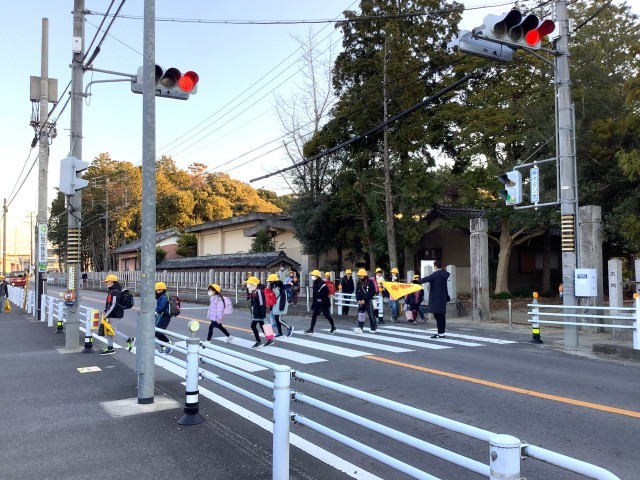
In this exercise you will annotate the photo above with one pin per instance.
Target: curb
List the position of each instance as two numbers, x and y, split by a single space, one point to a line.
617 351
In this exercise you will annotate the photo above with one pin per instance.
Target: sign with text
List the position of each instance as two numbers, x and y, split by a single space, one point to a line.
534 183
42 247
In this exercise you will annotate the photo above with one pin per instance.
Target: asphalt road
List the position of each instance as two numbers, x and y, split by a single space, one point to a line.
581 407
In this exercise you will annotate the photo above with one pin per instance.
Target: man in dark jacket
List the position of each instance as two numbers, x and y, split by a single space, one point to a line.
365 291
438 296
347 287
320 302
113 311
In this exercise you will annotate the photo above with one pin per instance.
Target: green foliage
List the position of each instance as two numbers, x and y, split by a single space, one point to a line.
262 242
160 254
501 296
187 245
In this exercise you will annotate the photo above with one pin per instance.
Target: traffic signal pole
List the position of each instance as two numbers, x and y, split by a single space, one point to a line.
74 202
567 170
146 318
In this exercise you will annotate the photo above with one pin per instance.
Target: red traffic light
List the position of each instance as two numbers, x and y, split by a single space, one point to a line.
533 37
188 81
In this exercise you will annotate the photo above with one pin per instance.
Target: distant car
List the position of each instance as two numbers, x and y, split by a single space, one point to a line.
18 278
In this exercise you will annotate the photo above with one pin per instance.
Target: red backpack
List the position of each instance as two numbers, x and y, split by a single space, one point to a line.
270 297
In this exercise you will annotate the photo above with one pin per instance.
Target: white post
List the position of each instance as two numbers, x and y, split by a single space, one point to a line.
191 403
504 455
281 421
636 323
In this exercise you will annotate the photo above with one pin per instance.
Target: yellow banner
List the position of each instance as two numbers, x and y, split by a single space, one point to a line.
108 329
397 290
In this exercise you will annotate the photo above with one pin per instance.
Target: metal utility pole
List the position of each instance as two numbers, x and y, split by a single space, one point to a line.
74 202
146 323
43 164
567 169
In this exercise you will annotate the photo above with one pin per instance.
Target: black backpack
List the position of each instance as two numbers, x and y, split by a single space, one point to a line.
174 306
126 299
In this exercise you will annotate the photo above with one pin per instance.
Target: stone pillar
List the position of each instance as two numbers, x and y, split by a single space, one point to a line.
590 238
615 296
479 256
637 265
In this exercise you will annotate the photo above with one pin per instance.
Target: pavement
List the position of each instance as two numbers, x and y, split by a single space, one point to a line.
61 424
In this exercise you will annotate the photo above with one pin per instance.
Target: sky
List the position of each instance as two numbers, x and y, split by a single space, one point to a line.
230 125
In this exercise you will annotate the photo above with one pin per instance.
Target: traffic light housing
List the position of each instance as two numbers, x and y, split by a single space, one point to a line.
170 83
515 30
512 193
70 167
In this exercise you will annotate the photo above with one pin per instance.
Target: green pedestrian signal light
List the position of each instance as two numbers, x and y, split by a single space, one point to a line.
512 193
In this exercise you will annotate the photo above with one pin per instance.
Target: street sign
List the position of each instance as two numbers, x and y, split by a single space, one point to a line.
534 184
42 248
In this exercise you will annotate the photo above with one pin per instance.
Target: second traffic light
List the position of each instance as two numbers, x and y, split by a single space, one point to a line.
512 193
515 30
170 83
70 167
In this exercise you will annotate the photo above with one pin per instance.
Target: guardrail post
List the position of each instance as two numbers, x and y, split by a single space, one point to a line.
88 333
281 421
380 318
535 326
60 321
191 405
504 455
636 323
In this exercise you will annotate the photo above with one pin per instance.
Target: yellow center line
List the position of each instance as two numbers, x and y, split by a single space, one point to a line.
509 388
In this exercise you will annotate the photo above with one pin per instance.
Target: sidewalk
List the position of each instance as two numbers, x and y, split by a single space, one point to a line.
59 424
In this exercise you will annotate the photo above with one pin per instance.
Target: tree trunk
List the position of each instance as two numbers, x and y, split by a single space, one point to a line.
409 259
502 274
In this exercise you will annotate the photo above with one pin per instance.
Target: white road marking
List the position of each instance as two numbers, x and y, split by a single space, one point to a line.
416 334
457 335
325 347
276 352
231 360
383 338
362 343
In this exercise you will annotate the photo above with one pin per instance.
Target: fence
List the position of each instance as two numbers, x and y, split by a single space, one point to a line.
505 451
540 313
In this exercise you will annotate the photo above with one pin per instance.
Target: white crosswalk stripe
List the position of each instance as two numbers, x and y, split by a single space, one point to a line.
385 338
431 331
231 360
422 333
362 343
325 347
276 351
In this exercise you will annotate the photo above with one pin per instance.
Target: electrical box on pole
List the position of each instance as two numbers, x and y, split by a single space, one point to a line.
70 167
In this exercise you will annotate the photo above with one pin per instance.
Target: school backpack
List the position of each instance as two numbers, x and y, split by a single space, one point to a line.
228 306
174 306
270 297
126 299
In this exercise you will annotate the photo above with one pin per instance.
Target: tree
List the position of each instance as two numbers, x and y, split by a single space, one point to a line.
160 254
262 242
187 245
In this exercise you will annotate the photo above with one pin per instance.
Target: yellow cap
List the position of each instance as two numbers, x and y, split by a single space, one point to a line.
253 281
110 278
273 278
327 274
395 270
379 270
416 277
1 277
348 270
362 272
161 286
215 286
316 273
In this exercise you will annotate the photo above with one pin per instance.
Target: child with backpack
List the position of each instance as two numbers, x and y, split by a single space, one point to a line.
258 309
218 308
163 316
280 305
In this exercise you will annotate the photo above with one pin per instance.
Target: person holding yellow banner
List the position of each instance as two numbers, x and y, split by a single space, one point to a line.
4 296
112 311
438 296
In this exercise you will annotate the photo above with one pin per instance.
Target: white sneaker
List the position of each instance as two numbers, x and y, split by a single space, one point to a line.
229 339
357 330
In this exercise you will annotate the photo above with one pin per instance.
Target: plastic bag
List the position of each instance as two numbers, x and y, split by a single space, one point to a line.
7 306
268 331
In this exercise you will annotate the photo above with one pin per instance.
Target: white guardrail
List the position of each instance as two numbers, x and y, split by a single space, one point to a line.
613 315
505 451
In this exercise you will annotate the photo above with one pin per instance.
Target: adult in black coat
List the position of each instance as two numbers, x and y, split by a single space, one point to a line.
320 302
347 287
438 296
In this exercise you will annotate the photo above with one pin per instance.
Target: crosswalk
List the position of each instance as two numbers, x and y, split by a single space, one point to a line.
347 343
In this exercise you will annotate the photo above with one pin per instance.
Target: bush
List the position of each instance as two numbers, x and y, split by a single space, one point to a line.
501 296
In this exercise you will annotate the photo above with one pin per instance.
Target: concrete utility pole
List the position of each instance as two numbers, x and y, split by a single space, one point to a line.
4 237
388 196
74 202
43 161
567 166
146 320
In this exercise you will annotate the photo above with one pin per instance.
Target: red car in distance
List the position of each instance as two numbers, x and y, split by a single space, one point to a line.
18 278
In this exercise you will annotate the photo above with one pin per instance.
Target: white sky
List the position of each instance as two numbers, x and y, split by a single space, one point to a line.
240 67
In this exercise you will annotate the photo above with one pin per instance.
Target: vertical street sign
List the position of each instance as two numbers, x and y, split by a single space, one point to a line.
42 247
534 183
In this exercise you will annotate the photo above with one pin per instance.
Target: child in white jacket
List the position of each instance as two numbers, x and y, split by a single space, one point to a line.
216 311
